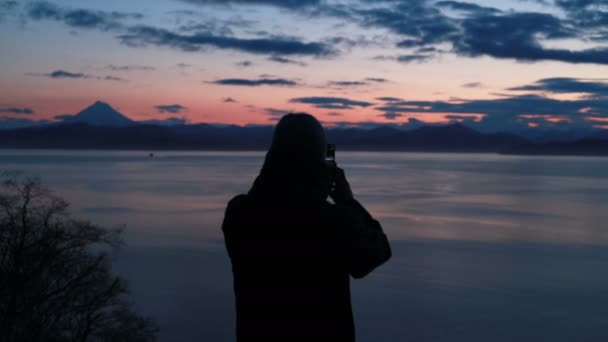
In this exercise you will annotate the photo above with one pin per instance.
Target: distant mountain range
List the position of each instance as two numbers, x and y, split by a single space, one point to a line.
102 127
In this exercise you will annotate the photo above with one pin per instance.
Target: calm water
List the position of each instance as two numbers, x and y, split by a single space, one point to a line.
486 247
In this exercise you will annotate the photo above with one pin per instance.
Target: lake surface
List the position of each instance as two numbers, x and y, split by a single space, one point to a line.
486 247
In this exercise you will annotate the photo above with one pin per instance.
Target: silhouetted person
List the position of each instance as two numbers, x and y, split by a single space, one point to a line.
292 251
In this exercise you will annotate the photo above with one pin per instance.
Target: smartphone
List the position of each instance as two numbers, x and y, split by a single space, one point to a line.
330 159
330 154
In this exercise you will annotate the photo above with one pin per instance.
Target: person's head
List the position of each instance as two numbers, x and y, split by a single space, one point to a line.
295 164
299 138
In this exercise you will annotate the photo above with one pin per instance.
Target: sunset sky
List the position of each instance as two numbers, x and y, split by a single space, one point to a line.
494 64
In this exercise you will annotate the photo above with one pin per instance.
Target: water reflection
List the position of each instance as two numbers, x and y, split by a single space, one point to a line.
177 198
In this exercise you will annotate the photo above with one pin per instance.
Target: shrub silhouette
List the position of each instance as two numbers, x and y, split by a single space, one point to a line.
55 272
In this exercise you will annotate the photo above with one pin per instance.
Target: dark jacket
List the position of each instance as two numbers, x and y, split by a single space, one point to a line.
291 266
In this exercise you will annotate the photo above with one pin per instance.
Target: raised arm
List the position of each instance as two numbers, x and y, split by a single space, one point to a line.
233 235
366 245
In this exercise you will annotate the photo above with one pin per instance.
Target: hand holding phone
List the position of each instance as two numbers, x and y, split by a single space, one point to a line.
330 153
339 189
330 160
341 192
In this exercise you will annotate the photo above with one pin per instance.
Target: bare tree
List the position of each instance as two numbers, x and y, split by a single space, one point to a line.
55 272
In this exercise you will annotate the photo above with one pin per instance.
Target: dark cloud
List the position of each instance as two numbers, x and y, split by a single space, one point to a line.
174 108
15 110
211 24
416 19
510 112
114 78
284 60
185 13
390 115
484 31
472 85
331 102
461 118
467 7
59 74
376 79
405 58
289 4
183 65
566 85
8 5
332 106
256 83
516 36
426 50
347 83
66 74
276 112
413 58
130 68
230 100
481 31
409 43
348 43
244 64
146 35
578 5
587 15
7 8
389 99
78 18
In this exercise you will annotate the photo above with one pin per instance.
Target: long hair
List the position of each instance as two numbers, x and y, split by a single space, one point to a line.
294 170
